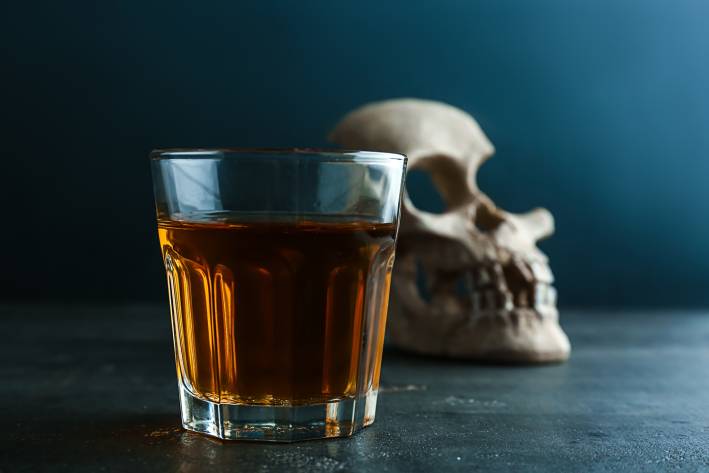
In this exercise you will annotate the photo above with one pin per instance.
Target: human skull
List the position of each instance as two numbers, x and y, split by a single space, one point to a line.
470 282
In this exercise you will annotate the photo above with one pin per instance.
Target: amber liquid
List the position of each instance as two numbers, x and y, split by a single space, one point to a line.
278 312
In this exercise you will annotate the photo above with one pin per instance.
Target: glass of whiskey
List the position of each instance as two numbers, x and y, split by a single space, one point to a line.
278 267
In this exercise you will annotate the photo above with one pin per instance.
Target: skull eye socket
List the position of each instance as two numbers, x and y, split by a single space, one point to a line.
423 192
437 184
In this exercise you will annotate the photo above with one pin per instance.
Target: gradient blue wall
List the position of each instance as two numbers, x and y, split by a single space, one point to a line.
599 111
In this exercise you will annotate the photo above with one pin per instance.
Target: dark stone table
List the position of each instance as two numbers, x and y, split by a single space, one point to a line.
93 389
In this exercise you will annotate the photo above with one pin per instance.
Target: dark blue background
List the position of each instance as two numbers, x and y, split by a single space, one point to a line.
599 111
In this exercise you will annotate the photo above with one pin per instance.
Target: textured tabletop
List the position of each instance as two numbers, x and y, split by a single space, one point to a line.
93 389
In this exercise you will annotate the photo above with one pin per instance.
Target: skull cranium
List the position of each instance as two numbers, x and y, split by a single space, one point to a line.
469 282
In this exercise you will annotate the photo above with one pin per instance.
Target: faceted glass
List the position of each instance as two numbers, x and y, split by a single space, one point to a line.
278 268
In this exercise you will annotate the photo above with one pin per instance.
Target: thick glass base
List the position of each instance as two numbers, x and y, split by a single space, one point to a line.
277 423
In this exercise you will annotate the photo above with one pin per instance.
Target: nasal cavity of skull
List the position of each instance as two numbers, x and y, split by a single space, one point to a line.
487 219
423 282
464 285
436 185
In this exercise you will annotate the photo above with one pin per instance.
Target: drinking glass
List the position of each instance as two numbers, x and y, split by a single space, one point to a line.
278 270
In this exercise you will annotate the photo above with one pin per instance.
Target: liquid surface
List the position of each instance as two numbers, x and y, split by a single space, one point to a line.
278 313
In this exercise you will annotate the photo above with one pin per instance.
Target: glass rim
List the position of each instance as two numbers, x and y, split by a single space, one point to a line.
334 154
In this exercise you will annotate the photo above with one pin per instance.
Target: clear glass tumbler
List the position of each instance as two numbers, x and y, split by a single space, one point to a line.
278 271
